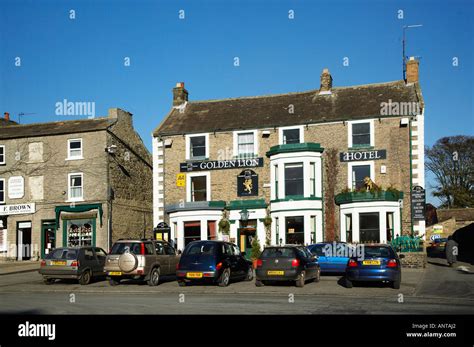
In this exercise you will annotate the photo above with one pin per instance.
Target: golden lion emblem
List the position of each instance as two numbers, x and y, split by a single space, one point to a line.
248 185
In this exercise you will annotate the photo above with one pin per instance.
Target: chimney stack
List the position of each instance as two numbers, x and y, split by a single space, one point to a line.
412 70
326 82
180 95
7 116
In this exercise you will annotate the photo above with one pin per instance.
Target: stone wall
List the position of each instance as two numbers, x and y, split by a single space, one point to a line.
388 135
414 260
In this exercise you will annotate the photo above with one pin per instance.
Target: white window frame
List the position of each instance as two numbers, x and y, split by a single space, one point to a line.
349 131
4 193
3 162
188 144
359 163
299 127
188 184
236 142
69 157
71 199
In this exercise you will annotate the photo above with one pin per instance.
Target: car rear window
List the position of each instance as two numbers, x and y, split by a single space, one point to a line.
121 247
201 249
318 250
278 253
378 252
63 253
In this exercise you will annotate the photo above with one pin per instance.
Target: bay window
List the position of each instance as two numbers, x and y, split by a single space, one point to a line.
294 179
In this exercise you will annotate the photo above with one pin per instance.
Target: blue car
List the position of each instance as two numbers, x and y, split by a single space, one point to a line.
332 256
379 263
212 261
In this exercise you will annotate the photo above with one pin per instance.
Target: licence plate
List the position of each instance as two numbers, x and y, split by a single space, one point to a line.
194 275
275 273
115 273
371 262
59 263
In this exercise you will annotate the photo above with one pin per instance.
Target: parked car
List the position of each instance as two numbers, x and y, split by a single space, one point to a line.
287 263
379 263
213 261
331 260
81 263
437 247
143 260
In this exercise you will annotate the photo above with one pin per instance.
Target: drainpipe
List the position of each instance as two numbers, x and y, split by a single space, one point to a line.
411 175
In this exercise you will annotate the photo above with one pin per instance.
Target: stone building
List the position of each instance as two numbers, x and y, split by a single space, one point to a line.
335 163
69 183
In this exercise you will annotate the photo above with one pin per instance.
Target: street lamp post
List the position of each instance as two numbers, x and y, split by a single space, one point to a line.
244 216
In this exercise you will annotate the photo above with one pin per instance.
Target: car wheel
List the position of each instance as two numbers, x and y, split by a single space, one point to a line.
259 283
154 277
85 277
301 279
114 281
224 278
396 284
249 276
347 283
182 283
48 280
318 275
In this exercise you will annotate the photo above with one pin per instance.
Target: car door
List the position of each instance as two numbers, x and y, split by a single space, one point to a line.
101 256
242 265
89 259
162 258
310 260
173 258
228 256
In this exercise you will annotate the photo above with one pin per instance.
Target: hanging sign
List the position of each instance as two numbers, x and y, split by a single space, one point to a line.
247 183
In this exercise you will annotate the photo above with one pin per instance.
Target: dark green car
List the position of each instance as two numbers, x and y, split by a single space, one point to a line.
81 263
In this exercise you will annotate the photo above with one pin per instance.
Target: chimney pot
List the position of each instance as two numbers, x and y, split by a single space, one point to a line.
7 116
326 82
412 73
180 94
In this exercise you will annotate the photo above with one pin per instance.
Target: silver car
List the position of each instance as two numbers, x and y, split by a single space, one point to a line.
143 260
81 263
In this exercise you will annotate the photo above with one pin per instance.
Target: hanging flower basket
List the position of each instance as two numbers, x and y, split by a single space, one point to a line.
224 226
267 221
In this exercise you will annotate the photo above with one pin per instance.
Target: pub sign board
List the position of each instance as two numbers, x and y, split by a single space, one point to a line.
247 183
363 155
220 164
418 203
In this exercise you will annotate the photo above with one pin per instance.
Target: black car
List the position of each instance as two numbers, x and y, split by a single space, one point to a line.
214 261
287 263
81 263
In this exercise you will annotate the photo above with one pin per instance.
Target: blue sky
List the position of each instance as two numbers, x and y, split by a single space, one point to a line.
82 59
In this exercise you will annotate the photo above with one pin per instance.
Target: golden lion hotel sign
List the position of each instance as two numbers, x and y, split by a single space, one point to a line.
6 210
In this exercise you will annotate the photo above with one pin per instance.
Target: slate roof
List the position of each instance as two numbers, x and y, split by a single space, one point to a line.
345 103
55 128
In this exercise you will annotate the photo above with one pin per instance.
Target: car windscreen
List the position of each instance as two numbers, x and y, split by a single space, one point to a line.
318 250
201 249
63 253
377 252
121 247
278 253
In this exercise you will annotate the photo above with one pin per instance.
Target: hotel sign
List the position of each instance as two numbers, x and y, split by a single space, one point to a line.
6 210
363 155
220 164
418 201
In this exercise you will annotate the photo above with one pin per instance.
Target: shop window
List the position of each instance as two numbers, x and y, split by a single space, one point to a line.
192 232
276 181
2 155
197 148
2 190
313 229
291 136
79 232
361 134
294 179
199 188
3 234
295 230
277 230
369 227
348 228
245 144
76 187
390 230
211 230
312 179
358 174
74 149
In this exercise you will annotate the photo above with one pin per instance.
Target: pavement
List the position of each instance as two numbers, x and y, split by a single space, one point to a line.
438 289
12 267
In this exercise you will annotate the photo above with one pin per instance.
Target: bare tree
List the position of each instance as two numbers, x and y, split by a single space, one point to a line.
451 160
